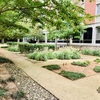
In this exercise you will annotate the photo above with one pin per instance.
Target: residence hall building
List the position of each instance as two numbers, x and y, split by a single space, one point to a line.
92 36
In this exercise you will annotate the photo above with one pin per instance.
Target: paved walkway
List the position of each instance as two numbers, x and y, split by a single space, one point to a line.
64 89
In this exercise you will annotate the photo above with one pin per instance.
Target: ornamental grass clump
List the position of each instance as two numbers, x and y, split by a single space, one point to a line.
72 75
52 67
13 48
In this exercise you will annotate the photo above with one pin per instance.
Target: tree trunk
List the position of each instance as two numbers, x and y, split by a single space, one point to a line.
56 44
18 40
2 41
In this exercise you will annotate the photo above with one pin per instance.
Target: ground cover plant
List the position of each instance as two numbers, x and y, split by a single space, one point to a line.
97 69
82 64
97 60
52 67
72 75
5 60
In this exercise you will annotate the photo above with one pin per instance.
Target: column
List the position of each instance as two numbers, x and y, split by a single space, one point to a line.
94 36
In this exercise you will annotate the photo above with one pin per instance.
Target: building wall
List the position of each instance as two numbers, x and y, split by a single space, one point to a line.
90 7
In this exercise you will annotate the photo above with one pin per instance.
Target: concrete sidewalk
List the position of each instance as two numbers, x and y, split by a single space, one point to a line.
64 89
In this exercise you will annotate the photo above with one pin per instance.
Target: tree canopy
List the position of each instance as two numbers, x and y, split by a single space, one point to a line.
51 14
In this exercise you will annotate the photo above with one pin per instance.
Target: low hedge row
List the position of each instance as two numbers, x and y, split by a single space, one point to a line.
12 43
29 48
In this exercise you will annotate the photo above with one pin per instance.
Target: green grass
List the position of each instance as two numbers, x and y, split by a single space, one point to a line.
97 69
52 67
5 60
72 75
82 64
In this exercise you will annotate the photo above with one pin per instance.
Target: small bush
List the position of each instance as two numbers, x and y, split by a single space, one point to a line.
13 48
50 55
87 52
3 81
11 79
97 69
82 64
98 90
5 60
97 60
72 75
52 67
96 53
75 55
41 56
18 95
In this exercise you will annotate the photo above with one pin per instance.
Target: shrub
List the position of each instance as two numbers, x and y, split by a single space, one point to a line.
29 48
63 55
18 95
96 53
97 60
75 55
52 67
72 75
82 64
11 79
41 56
50 55
13 48
98 90
97 69
3 81
87 52
5 60
32 55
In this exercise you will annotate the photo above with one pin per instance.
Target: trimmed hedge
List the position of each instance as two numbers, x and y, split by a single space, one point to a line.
12 43
29 48
72 75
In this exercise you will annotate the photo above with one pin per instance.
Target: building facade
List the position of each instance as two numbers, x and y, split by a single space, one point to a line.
92 35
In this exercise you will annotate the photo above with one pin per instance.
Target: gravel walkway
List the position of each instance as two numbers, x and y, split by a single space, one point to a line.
64 89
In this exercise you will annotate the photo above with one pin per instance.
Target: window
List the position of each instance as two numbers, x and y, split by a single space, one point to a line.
82 0
98 30
98 9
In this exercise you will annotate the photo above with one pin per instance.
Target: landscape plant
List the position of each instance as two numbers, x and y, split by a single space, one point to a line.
97 60
82 64
5 60
13 48
72 75
52 67
97 69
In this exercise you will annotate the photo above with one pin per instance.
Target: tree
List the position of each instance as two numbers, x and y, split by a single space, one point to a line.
50 13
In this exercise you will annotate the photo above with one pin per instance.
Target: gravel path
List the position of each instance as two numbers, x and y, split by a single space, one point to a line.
64 89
